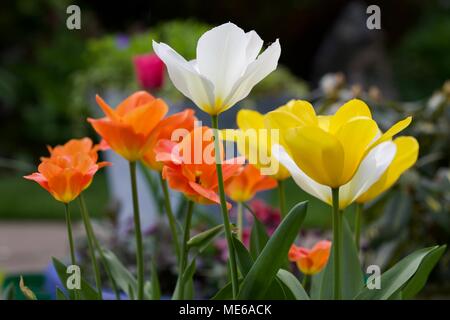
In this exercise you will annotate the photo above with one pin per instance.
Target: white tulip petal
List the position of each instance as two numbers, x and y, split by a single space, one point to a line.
222 57
256 71
301 179
254 46
370 170
185 76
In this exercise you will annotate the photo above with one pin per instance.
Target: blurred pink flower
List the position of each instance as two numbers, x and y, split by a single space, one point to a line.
149 70
270 217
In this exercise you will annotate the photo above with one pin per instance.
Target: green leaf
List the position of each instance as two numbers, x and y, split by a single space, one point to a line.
285 286
352 276
156 290
87 292
205 237
292 283
258 238
188 275
60 294
316 285
272 257
226 293
277 291
244 259
9 292
123 278
398 276
420 278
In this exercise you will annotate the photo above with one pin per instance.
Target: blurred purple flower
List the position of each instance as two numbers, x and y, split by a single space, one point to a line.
122 41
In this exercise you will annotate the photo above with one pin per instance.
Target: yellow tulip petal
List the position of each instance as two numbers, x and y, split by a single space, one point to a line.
279 119
302 110
355 136
324 122
352 109
319 154
405 157
250 119
396 128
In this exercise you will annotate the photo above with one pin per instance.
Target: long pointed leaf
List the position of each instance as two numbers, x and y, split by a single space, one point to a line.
419 279
87 292
292 283
272 257
396 277
123 278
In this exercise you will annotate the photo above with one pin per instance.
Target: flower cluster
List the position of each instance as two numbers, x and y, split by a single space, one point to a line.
339 158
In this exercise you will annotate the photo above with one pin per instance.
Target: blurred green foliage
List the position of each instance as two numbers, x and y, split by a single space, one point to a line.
23 199
421 60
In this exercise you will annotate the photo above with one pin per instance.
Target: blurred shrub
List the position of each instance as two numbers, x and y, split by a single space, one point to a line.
421 61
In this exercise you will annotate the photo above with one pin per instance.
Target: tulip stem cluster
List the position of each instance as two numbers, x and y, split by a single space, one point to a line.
184 250
91 244
337 243
96 245
358 214
223 205
170 217
138 232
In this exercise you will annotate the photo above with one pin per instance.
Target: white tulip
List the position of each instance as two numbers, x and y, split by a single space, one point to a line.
370 170
226 69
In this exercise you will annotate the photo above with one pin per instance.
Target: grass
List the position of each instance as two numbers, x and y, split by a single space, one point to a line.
21 199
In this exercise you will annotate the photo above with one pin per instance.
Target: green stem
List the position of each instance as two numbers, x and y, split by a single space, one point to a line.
138 233
73 260
305 282
98 248
337 232
91 244
170 217
240 220
184 250
223 205
70 236
358 214
281 198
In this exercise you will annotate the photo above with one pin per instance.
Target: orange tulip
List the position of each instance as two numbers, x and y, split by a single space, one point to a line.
74 146
310 261
163 130
69 170
244 186
189 165
127 128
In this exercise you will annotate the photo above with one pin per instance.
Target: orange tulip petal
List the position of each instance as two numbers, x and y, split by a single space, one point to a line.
135 100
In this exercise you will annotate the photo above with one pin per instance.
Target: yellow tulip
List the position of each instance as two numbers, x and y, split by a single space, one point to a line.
254 140
345 150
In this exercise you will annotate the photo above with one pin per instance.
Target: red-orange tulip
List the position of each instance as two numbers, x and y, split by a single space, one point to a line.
69 170
189 165
244 186
310 261
127 128
181 120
